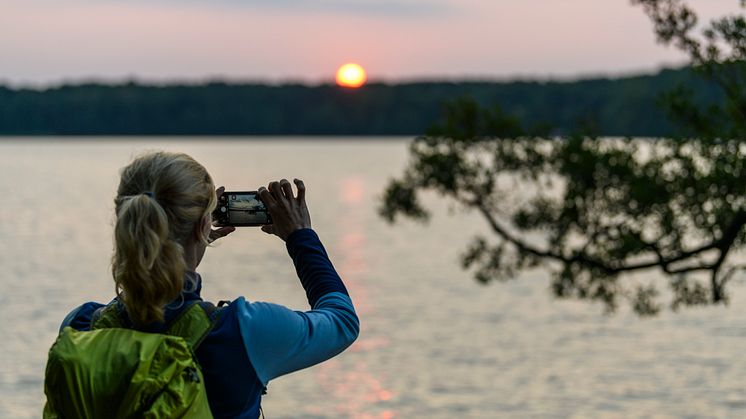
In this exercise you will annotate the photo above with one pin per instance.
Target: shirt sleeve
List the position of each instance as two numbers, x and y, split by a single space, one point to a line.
315 271
279 340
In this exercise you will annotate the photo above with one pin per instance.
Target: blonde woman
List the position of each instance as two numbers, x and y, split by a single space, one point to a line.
163 206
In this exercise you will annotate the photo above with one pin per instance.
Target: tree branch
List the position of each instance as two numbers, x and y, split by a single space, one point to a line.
723 244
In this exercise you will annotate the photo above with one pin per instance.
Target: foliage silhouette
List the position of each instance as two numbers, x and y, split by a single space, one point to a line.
605 209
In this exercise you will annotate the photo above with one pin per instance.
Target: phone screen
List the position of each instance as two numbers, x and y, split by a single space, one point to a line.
241 209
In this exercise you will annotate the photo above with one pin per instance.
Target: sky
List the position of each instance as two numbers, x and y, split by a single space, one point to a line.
45 42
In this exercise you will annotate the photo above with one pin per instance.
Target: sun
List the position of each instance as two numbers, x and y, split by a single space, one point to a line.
351 75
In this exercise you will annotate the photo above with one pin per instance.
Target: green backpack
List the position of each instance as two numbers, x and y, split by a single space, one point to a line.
115 372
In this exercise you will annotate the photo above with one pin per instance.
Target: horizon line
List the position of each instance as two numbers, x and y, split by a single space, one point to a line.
289 81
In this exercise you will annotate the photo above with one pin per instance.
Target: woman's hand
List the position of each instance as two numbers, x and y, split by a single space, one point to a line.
217 233
289 213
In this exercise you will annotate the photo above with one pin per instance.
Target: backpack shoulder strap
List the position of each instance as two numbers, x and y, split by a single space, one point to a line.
194 323
106 316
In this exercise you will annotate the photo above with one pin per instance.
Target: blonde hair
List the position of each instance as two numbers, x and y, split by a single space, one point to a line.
161 200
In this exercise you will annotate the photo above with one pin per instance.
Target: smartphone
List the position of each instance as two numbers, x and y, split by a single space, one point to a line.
240 209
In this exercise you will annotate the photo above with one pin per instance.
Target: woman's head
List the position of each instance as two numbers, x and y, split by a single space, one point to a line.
162 205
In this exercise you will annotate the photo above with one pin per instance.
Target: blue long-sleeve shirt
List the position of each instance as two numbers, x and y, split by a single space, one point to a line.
253 343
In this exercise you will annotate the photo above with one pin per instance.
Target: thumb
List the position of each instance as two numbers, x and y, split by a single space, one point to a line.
269 229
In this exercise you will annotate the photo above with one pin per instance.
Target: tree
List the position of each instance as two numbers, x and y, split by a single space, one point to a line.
605 210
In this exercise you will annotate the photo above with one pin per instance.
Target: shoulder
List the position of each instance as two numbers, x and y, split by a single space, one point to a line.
80 317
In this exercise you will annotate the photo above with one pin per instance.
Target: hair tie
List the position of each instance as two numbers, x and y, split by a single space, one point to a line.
150 194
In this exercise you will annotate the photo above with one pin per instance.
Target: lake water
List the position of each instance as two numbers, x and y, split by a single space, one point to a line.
434 343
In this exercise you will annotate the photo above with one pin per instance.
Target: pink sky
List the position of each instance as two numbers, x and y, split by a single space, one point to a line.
47 41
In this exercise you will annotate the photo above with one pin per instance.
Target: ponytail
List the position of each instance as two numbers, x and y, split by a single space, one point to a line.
152 228
147 263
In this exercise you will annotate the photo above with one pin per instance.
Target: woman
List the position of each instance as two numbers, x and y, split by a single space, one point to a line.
164 205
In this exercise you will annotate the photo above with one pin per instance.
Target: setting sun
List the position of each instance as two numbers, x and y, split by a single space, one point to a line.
351 75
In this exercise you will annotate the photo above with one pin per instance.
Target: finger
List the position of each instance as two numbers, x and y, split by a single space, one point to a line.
266 197
219 191
301 189
224 231
269 229
276 190
221 232
287 188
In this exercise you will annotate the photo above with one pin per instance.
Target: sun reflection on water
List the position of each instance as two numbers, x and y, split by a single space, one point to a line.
358 391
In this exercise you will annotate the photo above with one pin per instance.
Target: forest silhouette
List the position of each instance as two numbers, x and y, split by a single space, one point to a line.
624 106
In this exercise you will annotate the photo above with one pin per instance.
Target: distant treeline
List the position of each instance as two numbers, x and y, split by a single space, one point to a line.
625 106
